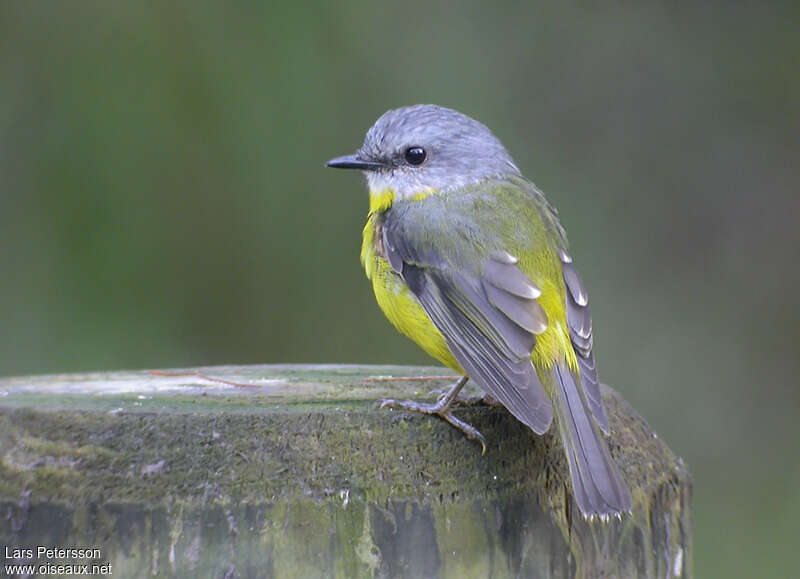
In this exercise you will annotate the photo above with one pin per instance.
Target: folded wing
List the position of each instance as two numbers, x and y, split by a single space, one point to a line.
489 318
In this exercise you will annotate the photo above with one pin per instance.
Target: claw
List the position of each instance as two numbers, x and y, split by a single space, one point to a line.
469 431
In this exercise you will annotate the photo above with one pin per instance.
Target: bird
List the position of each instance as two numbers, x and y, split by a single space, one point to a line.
469 260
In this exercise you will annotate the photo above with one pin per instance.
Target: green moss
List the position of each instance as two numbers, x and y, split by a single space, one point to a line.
313 466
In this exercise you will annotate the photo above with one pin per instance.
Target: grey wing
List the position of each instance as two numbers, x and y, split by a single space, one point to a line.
489 321
579 322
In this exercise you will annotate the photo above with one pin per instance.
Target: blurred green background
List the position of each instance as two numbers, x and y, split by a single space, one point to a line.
163 200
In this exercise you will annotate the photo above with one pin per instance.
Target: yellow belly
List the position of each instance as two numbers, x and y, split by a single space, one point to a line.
402 309
400 306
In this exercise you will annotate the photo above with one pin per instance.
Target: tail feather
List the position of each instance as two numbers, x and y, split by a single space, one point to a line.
597 483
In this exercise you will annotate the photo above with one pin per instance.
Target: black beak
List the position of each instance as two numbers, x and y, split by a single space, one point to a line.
354 162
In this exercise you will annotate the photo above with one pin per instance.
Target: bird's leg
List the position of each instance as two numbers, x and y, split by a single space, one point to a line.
471 400
441 408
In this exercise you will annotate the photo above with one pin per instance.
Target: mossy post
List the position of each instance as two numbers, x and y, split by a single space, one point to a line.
302 475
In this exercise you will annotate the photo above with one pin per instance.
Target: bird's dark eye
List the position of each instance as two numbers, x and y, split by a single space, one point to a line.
415 155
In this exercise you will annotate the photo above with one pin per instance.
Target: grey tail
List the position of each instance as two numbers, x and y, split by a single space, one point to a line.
596 481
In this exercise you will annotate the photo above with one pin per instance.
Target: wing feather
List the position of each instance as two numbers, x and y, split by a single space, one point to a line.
526 313
579 323
493 344
508 277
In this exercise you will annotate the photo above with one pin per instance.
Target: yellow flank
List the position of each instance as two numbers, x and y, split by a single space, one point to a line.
403 310
543 267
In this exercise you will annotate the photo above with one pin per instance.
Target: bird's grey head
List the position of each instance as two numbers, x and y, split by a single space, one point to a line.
425 147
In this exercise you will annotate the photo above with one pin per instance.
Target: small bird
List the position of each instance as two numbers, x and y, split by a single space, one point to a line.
468 259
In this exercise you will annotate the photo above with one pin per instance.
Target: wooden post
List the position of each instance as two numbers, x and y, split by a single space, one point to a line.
302 475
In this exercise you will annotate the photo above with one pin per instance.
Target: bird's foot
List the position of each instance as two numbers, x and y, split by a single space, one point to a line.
441 408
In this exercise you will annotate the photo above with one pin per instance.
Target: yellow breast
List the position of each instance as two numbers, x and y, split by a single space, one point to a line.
399 305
